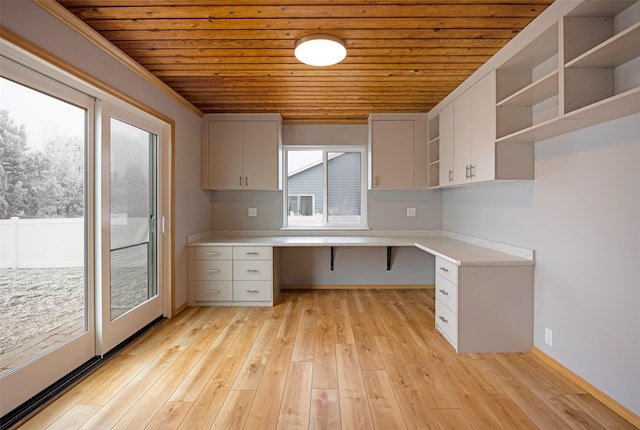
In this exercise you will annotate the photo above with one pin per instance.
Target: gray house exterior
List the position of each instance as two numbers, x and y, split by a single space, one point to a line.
305 187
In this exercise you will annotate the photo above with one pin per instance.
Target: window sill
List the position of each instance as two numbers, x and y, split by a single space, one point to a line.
323 228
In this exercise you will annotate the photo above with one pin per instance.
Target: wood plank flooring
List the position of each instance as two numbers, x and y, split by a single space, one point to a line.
321 359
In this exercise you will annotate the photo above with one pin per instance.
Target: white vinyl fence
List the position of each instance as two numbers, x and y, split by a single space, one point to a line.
57 242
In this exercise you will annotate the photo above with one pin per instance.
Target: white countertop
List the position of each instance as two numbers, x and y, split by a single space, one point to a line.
460 252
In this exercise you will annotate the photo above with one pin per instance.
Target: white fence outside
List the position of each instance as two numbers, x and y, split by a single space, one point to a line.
38 243
56 242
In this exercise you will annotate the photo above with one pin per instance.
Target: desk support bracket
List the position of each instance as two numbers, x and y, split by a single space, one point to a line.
332 257
388 258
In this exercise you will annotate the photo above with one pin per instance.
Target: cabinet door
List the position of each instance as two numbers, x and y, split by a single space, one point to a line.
483 124
392 154
260 155
463 136
446 145
225 155
475 132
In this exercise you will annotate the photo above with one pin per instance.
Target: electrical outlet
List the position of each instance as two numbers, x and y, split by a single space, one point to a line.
548 337
253 211
411 211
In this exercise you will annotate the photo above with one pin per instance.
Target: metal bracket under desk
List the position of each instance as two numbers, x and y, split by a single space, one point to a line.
333 254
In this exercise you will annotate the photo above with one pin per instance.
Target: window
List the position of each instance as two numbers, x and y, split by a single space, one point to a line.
325 187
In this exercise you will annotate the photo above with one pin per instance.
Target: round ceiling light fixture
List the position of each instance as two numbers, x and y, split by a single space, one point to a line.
320 50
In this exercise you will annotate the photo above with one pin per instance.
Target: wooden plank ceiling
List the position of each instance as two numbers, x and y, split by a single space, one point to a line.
237 55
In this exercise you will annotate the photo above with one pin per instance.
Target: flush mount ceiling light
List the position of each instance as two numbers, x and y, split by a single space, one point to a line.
320 50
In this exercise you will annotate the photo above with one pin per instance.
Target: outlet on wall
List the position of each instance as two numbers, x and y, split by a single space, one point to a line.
253 212
548 337
411 211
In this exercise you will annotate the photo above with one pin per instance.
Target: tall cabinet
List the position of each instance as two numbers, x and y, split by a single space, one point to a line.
241 152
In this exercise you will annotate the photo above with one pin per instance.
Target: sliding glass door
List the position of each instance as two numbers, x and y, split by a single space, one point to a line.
47 326
130 298
84 183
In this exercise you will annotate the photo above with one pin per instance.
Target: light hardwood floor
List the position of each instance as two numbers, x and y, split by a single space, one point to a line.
358 359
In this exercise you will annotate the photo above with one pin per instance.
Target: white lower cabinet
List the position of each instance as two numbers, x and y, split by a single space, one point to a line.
232 275
487 308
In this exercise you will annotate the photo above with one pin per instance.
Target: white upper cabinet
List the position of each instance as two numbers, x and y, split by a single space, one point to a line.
241 152
467 148
474 132
398 151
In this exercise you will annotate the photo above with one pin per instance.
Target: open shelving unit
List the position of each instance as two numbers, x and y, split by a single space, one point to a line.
582 70
602 60
527 88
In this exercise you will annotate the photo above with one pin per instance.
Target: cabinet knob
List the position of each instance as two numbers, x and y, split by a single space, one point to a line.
444 269
213 253
241 181
450 175
213 291
443 292
252 253
213 270
246 181
252 270
443 319
252 291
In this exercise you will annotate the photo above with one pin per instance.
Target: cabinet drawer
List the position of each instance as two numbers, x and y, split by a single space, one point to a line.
213 270
251 290
447 323
213 291
213 252
447 292
447 269
252 253
259 270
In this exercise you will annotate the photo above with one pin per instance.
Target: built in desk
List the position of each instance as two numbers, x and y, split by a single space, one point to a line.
483 290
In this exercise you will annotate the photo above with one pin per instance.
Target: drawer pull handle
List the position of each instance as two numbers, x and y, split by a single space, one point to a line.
252 253
252 291
213 270
252 270
444 269
444 320
213 291
213 253
444 292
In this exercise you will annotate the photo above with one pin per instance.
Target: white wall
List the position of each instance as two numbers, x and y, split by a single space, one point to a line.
582 217
192 206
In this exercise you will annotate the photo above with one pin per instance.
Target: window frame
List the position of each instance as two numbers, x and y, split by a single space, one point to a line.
326 224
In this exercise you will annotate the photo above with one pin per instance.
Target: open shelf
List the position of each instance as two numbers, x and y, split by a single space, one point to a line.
534 93
602 59
619 49
545 130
